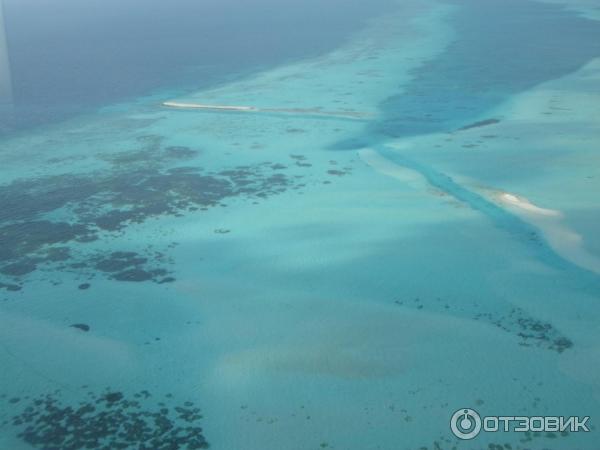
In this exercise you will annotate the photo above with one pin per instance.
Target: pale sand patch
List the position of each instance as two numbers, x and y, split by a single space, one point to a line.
34 349
582 365
386 167
356 341
587 8
526 205
564 241
573 100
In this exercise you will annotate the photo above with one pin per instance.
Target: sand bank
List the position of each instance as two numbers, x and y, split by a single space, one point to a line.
525 205
208 107
386 167
563 240
297 111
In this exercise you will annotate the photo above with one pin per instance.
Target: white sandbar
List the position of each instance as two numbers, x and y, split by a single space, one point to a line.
297 111
213 107
565 241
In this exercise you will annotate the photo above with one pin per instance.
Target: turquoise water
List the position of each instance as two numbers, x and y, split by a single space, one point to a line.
404 225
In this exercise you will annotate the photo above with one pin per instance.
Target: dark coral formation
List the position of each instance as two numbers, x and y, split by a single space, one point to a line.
300 161
531 331
110 420
10 287
128 266
481 123
336 172
140 185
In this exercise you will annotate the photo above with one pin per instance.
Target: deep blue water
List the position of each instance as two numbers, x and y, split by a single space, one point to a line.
69 56
501 48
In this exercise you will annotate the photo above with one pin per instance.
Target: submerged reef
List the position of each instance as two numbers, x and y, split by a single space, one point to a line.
481 123
43 219
10 287
128 266
109 420
530 331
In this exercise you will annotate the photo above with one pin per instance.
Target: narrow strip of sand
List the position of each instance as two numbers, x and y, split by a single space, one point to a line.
209 107
345 114
386 167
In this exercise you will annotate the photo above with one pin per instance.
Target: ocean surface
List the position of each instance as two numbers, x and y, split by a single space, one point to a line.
398 219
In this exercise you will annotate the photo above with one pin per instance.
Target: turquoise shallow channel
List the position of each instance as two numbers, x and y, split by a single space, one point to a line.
298 225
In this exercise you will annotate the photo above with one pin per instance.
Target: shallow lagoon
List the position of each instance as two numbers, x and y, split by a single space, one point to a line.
311 281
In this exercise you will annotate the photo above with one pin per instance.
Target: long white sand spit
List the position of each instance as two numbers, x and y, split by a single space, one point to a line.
209 107
300 111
